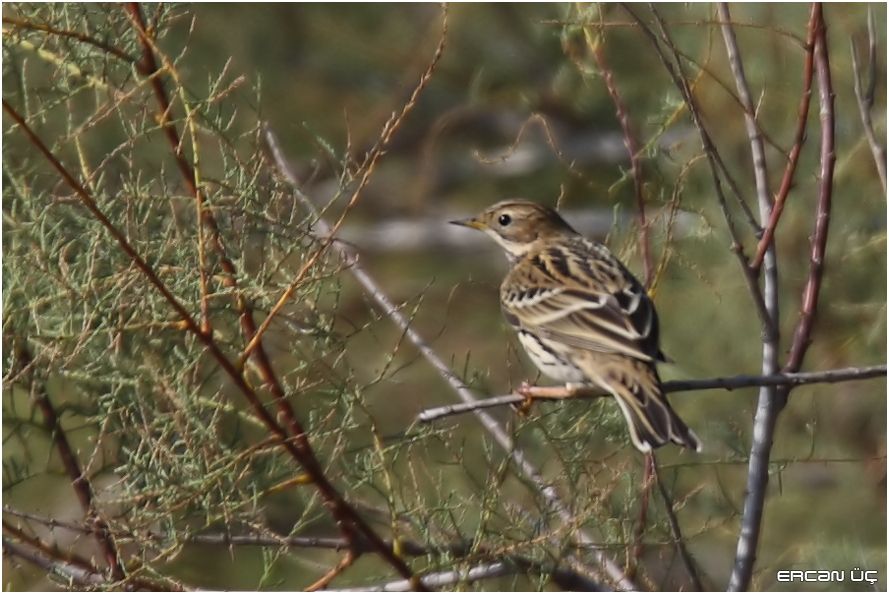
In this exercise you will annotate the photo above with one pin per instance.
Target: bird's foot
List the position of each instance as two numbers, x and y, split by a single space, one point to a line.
525 390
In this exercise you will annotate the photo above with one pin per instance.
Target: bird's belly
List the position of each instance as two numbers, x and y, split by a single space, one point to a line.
549 359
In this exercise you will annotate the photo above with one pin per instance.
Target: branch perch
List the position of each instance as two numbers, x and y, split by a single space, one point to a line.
830 376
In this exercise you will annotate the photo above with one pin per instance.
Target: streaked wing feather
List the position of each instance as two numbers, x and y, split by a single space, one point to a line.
579 294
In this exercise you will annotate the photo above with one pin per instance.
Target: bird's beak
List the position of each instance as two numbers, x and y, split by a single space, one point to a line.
471 222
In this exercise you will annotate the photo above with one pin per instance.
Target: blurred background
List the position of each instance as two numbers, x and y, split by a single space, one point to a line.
517 107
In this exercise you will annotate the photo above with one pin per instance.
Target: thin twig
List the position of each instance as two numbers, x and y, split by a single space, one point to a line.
81 484
865 97
676 531
367 170
674 69
830 376
799 138
19 534
49 522
324 581
68 571
407 547
503 439
449 578
82 37
812 290
623 116
757 150
635 551
442 579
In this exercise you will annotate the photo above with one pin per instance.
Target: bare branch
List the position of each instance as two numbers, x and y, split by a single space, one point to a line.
676 531
865 97
83 38
770 400
441 579
70 567
760 169
811 292
830 376
68 571
799 138
344 563
564 577
445 579
633 151
674 69
367 169
81 484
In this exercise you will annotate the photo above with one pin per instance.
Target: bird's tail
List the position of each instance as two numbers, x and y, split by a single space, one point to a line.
637 388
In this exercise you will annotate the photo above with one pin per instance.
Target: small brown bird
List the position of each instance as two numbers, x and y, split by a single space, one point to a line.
582 317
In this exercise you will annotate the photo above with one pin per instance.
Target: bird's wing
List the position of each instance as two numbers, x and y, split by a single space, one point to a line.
580 295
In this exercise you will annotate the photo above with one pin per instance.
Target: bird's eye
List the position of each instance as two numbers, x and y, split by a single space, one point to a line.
504 220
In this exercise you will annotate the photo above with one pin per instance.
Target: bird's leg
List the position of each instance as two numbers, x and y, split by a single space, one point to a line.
531 393
524 390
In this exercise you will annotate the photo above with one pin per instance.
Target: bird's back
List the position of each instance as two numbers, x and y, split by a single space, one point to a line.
578 292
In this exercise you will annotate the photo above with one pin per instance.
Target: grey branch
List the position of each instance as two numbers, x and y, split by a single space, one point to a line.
564 579
518 457
337 543
830 376
769 403
74 574
441 579
865 97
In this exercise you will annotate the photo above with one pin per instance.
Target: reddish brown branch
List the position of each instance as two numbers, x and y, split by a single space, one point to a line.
366 171
147 67
799 138
623 116
674 69
638 546
676 531
82 37
806 322
83 489
67 565
297 445
343 564
76 574
49 550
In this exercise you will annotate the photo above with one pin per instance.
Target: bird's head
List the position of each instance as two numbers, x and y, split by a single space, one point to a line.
518 225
